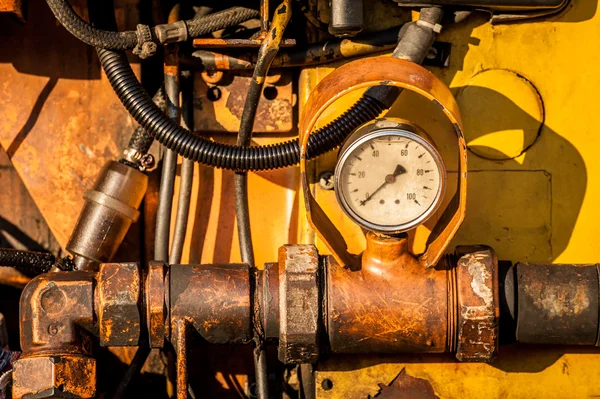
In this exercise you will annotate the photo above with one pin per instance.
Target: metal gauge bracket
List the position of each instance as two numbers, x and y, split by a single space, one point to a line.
386 71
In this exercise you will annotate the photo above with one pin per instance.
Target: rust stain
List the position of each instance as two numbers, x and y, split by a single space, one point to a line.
560 303
223 114
118 296
478 304
368 313
405 386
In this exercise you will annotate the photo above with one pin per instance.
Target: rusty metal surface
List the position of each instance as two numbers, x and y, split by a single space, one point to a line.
393 304
180 342
405 386
478 304
299 304
372 72
156 313
117 297
219 107
55 127
61 375
55 309
557 304
215 298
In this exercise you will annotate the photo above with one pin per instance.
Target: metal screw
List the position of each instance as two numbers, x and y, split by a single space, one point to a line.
432 53
147 161
326 180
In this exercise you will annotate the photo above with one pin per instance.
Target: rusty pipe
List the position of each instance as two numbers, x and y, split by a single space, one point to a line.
392 304
180 341
553 304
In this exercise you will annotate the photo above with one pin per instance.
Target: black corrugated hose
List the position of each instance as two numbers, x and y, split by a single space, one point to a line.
238 158
128 40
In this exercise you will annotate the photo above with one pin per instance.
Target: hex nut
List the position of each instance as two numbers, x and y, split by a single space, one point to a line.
299 304
59 376
156 312
117 303
478 304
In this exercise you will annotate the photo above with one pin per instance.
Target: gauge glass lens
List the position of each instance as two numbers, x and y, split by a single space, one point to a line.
390 180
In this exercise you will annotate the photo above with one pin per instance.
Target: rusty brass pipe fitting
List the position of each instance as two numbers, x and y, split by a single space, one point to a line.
392 304
60 313
395 305
57 323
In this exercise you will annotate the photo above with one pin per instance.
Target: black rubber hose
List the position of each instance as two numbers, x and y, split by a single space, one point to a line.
27 262
141 140
167 179
79 28
187 173
136 365
238 158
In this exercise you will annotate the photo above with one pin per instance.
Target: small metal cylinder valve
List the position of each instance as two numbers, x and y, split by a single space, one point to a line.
346 17
111 206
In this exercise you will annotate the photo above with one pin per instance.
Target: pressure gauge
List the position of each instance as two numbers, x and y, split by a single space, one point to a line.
389 177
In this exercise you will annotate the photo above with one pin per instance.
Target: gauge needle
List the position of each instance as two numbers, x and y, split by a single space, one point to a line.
388 179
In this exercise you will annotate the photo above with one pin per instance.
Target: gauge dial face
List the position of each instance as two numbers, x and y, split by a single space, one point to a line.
390 180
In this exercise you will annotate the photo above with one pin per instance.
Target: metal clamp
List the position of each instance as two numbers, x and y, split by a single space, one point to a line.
145 46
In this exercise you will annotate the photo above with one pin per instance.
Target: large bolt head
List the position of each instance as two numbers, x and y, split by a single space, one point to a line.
478 304
117 303
60 376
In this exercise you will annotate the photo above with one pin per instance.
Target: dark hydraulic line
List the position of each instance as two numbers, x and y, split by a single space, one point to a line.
262 378
165 205
266 53
187 173
169 168
140 357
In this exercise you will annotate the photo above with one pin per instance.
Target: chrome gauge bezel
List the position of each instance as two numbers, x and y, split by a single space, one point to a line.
405 131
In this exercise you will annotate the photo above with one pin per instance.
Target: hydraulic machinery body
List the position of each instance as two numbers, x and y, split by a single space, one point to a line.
432 241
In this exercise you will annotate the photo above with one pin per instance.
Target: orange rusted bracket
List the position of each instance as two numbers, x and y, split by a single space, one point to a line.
387 71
